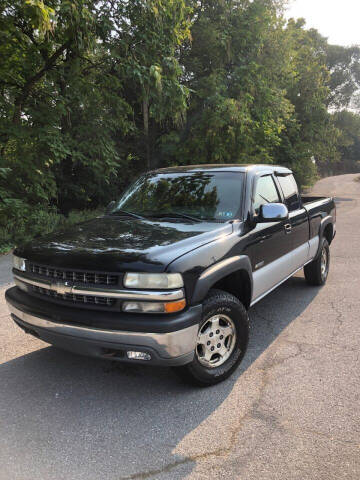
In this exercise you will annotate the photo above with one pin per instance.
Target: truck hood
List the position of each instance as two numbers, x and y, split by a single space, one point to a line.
115 244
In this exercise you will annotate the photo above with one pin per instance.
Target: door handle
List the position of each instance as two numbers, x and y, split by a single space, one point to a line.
288 228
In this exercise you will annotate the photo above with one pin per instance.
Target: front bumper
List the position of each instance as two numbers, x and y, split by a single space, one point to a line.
171 343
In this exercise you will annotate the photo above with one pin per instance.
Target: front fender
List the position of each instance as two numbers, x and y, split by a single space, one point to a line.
217 272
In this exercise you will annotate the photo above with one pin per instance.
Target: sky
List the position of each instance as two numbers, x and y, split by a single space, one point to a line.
338 20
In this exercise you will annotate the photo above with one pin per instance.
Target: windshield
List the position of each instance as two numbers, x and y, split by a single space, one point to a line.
195 195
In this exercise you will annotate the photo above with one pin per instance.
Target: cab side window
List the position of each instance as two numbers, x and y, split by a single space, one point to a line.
290 191
265 192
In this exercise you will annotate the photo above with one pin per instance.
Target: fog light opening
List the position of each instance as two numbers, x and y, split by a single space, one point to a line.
133 355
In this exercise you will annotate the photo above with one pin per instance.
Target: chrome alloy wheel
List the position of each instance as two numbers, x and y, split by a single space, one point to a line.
324 265
215 341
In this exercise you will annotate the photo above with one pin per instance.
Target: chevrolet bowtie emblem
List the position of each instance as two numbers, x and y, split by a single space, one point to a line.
62 288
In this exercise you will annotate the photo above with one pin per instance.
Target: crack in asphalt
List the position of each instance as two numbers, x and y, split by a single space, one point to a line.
254 412
324 345
339 320
219 452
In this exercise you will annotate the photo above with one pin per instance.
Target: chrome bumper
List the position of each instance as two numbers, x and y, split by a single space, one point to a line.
174 348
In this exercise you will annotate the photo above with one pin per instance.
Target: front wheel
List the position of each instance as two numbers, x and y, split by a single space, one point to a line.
317 271
221 342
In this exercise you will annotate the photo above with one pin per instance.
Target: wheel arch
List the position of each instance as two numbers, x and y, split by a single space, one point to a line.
233 275
326 230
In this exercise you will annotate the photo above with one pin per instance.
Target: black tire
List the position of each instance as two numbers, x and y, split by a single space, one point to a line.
219 303
315 274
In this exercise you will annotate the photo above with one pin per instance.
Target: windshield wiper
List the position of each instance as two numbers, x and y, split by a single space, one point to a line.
130 214
175 215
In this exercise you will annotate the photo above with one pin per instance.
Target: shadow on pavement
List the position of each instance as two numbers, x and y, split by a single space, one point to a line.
73 417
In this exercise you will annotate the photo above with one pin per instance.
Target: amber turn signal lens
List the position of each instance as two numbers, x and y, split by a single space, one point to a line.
172 307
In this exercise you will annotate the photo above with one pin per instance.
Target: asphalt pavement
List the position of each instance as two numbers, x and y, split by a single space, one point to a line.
290 412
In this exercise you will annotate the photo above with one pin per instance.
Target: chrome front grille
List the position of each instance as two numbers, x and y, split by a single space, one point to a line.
74 275
75 298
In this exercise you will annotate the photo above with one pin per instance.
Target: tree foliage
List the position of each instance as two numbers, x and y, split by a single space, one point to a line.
92 93
348 125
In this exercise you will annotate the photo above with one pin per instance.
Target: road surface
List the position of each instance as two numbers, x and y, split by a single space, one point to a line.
290 412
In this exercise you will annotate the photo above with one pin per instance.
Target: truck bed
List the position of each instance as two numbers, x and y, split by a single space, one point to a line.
306 199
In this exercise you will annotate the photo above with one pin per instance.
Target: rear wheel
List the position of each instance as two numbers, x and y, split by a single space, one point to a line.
317 271
221 341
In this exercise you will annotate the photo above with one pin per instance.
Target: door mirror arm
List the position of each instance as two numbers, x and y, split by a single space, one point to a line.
251 221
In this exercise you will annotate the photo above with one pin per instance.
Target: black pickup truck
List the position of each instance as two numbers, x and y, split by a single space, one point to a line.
168 274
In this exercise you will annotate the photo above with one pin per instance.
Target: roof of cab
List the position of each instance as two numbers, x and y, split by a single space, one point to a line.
230 167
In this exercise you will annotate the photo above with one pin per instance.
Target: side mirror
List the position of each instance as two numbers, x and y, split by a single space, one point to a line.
273 212
110 207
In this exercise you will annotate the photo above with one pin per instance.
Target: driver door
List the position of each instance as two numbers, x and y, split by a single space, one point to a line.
270 242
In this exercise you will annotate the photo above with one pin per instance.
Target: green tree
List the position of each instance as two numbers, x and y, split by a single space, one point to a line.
61 113
237 110
144 41
310 135
348 123
35 41
343 64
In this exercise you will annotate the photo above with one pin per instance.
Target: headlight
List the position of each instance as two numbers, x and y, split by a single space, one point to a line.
153 280
19 263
